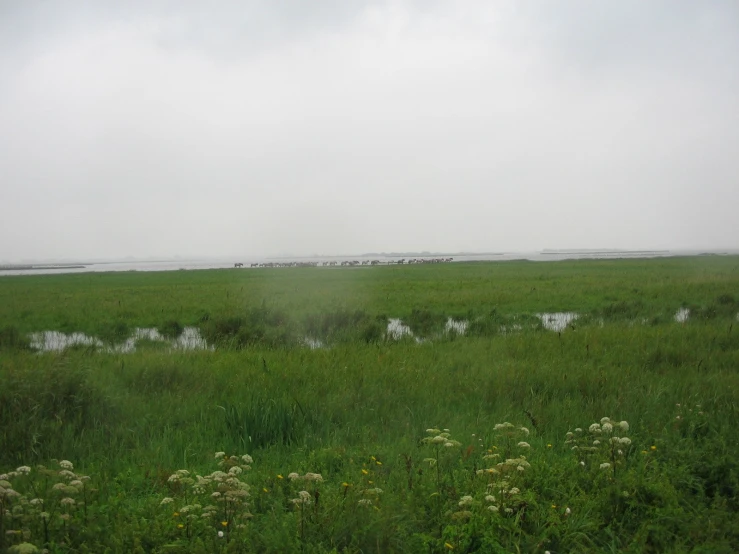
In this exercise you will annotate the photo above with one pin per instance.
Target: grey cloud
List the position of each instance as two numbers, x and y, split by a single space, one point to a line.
153 128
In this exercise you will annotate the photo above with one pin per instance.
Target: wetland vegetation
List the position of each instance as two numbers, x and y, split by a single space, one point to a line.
580 406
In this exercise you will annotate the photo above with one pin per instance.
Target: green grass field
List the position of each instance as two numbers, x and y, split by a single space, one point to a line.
368 413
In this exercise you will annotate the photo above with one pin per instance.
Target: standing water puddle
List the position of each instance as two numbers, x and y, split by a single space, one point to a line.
557 321
396 329
682 315
459 327
313 344
190 339
56 341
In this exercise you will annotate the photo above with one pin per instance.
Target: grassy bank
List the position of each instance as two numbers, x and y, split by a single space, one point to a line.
357 412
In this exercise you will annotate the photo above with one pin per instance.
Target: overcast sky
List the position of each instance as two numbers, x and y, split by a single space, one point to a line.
162 128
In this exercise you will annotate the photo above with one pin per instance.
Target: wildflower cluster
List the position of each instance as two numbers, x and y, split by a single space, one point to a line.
305 498
515 460
216 501
690 420
370 496
605 444
503 469
502 497
41 502
440 438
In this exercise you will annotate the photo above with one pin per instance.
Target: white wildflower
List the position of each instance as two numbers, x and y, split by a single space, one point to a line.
166 500
524 430
247 459
624 425
220 534
66 464
490 498
493 508
365 502
235 470
220 455
524 444
578 430
23 470
67 501
465 501
594 428
605 465
292 476
607 427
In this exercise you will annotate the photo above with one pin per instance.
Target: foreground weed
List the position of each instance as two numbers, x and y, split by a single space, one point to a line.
306 498
214 505
605 445
43 504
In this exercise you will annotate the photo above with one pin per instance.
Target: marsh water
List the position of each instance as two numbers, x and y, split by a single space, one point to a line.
31 268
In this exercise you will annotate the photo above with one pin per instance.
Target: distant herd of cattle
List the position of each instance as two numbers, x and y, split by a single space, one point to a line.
349 263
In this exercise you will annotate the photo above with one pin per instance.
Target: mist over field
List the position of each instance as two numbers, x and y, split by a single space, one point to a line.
155 129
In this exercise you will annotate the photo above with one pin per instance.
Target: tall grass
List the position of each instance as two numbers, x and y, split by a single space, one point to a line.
357 411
